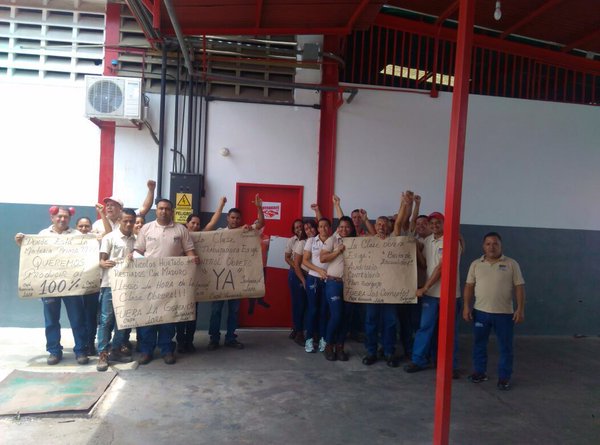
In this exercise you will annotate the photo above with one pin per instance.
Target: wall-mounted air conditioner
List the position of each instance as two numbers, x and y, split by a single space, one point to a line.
113 98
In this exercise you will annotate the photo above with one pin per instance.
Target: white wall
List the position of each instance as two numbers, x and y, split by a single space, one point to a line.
50 151
527 163
269 144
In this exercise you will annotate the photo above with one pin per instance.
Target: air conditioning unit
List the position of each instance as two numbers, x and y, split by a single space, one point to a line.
112 98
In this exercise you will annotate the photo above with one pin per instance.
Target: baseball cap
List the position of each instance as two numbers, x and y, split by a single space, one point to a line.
436 215
114 199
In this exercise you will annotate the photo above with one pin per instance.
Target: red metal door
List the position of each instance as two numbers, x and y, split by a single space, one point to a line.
282 204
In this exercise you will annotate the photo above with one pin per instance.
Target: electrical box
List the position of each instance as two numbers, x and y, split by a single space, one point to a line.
185 195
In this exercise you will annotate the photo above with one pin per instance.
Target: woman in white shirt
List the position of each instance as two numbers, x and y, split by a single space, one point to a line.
332 254
296 288
315 285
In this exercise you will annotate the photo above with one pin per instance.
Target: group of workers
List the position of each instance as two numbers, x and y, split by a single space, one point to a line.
321 317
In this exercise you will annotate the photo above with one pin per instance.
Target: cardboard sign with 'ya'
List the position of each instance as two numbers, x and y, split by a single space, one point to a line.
58 266
230 265
149 291
380 270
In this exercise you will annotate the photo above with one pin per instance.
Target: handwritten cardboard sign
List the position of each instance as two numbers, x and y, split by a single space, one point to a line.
380 270
58 266
150 291
230 265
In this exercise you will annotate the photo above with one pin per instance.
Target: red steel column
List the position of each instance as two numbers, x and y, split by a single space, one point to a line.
328 131
454 176
107 129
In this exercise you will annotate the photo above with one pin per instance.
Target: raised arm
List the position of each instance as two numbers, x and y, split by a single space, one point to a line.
105 221
401 215
19 238
338 207
367 223
315 208
147 204
215 218
260 216
415 214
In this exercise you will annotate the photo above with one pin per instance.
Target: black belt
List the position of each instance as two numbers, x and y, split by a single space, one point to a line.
333 278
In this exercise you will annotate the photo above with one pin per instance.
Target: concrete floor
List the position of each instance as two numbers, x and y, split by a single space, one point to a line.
272 392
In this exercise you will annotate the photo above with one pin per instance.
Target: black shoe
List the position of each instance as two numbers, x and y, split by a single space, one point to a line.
54 359
477 378
82 359
392 361
503 384
144 359
369 360
329 353
169 358
234 344
213 346
181 349
190 348
299 339
340 354
115 355
413 367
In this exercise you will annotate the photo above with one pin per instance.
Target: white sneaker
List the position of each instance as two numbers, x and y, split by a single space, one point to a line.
309 346
322 344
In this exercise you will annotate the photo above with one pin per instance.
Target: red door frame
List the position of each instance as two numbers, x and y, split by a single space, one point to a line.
239 185
276 284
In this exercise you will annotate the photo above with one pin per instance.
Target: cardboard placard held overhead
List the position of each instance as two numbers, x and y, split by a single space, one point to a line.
58 266
230 265
380 270
150 291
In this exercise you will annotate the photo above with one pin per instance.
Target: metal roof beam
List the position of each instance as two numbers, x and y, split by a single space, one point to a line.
576 43
356 14
528 18
541 54
447 13
259 6
262 31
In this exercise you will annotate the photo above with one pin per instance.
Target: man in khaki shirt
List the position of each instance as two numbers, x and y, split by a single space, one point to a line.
492 280
162 238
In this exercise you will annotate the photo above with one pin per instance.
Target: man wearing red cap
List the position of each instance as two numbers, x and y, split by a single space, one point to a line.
429 295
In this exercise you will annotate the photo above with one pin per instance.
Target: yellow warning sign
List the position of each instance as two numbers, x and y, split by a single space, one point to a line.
184 200
181 215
